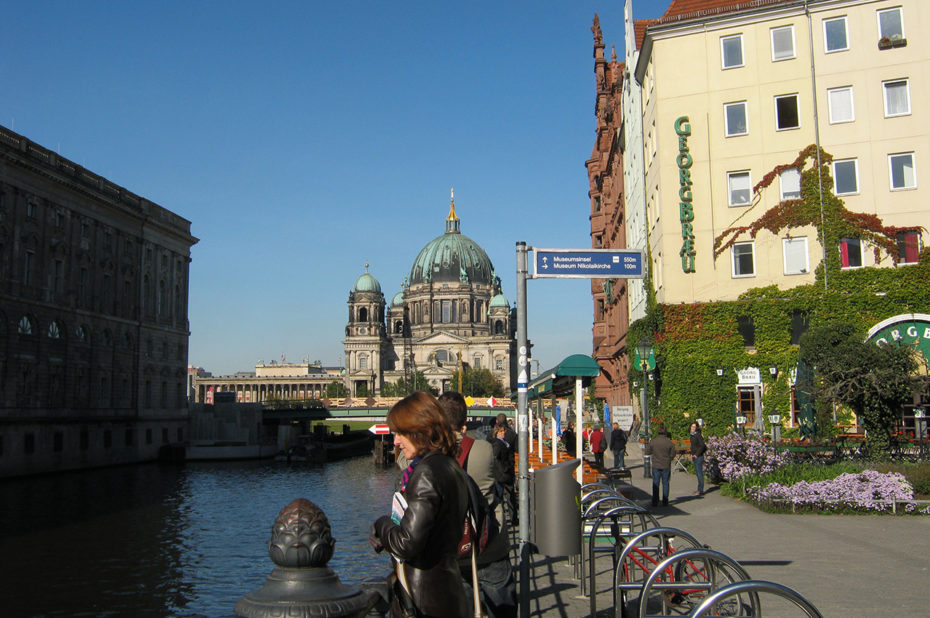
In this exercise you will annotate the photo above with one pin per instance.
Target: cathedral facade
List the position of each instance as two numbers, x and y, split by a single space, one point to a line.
450 314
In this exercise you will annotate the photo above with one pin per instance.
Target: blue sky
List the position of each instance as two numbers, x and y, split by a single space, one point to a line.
304 139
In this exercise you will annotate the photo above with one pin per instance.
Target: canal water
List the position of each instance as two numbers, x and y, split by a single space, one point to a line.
172 540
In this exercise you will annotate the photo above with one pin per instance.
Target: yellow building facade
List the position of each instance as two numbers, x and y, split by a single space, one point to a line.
729 93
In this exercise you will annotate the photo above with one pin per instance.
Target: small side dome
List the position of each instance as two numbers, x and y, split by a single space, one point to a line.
500 301
367 283
398 299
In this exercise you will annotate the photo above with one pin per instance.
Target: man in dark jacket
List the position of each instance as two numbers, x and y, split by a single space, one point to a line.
618 446
662 450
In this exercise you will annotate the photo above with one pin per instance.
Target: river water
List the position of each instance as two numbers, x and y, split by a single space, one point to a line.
172 540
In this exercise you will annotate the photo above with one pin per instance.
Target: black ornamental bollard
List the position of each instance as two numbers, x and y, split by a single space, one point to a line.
303 586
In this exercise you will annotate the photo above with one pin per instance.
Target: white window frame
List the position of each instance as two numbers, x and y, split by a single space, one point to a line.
878 17
826 48
851 242
730 177
907 96
781 183
750 244
723 55
904 187
787 243
855 163
833 94
797 103
726 118
793 53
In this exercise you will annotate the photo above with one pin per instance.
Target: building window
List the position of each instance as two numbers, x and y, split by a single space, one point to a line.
901 169
744 261
790 181
29 444
84 440
799 324
845 176
908 246
25 326
54 331
746 327
795 250
363 362
897 98
447 312
739 185
127 438
735 117
499 363
59 442
782 43
31 208
841 104
851 252
747 396
786 112
80 334
107 438
164 435
28 259
834 35
148 436
731 51
477 361
891 23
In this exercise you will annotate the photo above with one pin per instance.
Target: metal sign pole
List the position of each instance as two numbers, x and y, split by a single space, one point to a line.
523 433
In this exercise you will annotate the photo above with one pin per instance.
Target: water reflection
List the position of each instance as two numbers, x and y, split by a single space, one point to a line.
172 541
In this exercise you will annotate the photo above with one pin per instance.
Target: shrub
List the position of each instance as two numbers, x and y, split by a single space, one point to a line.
868 490
735 456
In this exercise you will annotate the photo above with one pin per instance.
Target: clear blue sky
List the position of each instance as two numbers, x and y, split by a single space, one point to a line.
304 139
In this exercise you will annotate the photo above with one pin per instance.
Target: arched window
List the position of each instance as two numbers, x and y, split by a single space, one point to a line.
25 326
499 363
477 361
363 361
362 314
399 327
54 331
442 356
80 333
498 327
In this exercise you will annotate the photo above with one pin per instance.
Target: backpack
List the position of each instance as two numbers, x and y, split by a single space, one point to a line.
603 443
481 525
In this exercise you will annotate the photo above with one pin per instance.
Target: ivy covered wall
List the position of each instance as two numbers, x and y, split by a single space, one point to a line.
692 341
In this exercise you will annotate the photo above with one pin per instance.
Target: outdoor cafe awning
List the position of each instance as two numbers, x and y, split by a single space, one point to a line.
560 380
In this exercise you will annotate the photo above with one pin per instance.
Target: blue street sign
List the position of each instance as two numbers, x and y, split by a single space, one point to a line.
588 263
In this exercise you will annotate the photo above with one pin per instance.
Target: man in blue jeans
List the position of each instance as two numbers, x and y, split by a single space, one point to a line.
662 450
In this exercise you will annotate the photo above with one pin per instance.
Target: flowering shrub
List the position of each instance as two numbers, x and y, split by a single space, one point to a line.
867 491
734 456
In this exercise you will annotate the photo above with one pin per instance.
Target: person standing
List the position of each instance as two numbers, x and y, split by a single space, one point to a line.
511 435
425 542
568 439
662 450
618 446
634 429
698 448
598 445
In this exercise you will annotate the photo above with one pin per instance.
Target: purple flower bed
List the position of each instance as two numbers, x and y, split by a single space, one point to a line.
866 491
735 456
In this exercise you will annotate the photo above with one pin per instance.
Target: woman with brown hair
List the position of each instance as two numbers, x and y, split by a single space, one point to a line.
425 541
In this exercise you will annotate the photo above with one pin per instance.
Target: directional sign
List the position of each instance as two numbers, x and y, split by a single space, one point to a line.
588 263
380 430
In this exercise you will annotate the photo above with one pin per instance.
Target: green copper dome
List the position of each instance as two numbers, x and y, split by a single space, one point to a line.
398 299
366 283
452 257
500 301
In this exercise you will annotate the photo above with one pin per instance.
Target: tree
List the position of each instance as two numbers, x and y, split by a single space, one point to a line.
480 383
402 387
873 380
336 389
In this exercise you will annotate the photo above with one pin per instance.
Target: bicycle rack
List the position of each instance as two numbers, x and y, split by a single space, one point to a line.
619 530
648 552
693 571
755 586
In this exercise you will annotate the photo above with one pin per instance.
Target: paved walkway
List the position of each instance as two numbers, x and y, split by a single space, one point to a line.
860 565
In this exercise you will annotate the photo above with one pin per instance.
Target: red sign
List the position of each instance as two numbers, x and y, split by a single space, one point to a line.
380 430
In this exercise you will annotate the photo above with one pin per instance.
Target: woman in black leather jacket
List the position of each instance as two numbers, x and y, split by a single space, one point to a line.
427 538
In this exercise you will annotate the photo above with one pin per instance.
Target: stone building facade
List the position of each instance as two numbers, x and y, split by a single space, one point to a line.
270 381
450 313
93 316
608 228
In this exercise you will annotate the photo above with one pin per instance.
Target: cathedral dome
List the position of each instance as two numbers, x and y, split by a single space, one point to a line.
367 283
500 301
452 257
398 299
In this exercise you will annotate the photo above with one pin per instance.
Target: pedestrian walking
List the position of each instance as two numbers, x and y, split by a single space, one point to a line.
662 450
698 448
618 446
634 429
598 446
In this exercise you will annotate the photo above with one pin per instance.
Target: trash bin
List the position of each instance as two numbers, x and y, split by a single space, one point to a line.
556 526
647 466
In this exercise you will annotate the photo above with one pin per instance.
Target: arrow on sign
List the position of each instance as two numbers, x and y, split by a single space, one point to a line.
380 429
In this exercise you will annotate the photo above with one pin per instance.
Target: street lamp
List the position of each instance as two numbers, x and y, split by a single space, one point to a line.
719 372
773 370
643 348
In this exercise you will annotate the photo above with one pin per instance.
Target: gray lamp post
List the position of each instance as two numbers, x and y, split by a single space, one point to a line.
643 349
